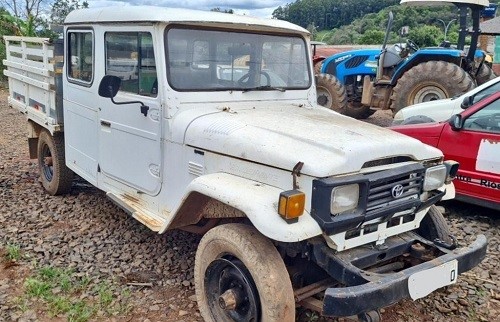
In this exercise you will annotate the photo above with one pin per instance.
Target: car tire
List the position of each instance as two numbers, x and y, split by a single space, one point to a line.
55 177
430 81
434 226
331 93
237 257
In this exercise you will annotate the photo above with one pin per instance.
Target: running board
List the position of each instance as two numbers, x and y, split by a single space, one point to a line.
132 206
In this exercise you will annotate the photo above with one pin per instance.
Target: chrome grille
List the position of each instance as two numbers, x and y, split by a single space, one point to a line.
381 190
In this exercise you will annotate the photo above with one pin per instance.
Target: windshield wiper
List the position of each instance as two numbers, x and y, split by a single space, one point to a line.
264 87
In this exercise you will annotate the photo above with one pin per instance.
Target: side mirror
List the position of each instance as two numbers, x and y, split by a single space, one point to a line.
467 102
456 122
109 86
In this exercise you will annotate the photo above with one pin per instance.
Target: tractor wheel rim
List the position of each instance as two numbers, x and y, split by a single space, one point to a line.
231 292
429 93
324 97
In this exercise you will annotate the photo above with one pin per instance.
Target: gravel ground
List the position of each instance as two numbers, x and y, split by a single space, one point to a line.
86 232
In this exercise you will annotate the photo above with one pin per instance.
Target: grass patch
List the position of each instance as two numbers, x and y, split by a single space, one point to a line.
60 290
13 252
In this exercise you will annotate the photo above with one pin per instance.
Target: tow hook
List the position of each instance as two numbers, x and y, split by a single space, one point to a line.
442 243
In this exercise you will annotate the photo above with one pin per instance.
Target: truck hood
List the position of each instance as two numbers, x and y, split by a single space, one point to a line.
281 136
438 110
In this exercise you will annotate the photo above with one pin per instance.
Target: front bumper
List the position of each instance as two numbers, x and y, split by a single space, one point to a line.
367 291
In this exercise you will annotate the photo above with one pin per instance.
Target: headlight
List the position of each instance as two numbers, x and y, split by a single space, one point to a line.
344 198
435 177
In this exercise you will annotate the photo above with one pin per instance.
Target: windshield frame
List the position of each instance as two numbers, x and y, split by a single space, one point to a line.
257 87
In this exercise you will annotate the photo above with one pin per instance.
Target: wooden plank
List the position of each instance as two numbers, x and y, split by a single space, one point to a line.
28 80
31 69
27 39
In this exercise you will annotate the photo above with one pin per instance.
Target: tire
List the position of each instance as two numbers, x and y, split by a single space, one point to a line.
331 93
434 226
239 254
358 111
485 74
430 81
417 119
317 67
55 177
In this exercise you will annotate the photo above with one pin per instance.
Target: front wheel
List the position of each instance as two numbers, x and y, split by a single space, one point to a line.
434 226
430 81
56 178
240 276
331 93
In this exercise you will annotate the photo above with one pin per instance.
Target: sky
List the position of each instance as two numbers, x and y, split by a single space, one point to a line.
257 8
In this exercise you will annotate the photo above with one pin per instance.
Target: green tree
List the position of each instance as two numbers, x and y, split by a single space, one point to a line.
61 8
372 37
426 36
218 9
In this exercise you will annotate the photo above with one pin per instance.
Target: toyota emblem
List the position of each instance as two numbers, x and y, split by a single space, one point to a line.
397 191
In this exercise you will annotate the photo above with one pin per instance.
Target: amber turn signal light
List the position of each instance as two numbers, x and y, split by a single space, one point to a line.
291 204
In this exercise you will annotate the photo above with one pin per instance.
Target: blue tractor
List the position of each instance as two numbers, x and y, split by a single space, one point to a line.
358 82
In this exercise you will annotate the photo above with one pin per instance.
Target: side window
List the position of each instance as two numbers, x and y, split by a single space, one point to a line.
80 51
130 56
486 119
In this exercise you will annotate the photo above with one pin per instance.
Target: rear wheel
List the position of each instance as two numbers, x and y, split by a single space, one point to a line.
56 178
485 74
331 93
240 276
430 81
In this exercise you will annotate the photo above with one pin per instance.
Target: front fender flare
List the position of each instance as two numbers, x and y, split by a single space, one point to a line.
258 201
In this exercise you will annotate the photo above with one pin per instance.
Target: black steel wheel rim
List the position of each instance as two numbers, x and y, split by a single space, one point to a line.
47 167
225 274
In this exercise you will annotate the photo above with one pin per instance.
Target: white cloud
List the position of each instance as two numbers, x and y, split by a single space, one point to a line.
257 8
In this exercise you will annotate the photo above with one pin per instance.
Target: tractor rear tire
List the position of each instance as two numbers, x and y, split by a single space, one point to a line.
485 74
430 81
331 93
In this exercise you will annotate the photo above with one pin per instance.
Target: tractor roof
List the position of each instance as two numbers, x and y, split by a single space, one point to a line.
483 3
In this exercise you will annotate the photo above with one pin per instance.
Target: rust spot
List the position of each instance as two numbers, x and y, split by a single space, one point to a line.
152 223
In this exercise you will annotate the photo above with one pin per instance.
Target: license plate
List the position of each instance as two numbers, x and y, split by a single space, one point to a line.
425 282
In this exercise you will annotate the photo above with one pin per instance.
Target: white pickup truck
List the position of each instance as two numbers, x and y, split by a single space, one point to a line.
208 122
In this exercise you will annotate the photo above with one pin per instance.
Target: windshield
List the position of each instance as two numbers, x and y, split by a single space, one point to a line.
486 92
220 60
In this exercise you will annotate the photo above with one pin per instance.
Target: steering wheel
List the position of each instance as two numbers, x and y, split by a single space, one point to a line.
245 78
413 46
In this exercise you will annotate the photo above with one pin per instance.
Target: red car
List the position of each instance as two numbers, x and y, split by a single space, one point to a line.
473 139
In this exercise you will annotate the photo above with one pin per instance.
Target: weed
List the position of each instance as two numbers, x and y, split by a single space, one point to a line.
37 288
59 289
13 252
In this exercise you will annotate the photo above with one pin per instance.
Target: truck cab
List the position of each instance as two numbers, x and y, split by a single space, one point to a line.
208 122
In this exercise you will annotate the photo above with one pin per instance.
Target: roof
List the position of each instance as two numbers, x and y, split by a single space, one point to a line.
483 3
133 14
490 27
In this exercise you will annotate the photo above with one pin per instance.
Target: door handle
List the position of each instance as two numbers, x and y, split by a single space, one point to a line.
106 123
